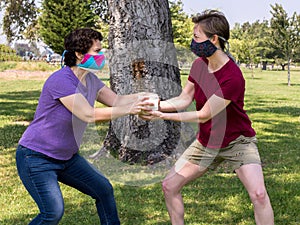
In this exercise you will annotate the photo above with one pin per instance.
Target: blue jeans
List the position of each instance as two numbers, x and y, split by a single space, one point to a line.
40 175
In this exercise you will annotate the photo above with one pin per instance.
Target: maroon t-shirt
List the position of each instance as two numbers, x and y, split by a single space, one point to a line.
228 83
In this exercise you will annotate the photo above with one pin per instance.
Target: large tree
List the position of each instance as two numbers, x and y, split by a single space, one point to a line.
286 32
143 58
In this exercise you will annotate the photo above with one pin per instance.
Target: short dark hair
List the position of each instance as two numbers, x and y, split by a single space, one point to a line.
79 40
213 22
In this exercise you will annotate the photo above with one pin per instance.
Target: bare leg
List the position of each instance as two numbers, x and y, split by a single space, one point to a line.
172 185
252 177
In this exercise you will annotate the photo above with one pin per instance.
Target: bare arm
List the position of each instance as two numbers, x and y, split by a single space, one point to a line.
180 102
107 97
79 106
211 108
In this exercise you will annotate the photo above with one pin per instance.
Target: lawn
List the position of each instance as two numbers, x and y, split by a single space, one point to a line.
217 198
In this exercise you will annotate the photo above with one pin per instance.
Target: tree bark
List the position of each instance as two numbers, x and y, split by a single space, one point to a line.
289 71
264 67
142 57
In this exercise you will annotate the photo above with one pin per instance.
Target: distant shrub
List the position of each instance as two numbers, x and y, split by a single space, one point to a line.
8 54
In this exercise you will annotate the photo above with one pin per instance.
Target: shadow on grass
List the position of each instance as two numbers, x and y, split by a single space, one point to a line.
212 199
10 135
259 106
285 110
20 219
216 198
19 104
292 84
253 78
105 79
227 202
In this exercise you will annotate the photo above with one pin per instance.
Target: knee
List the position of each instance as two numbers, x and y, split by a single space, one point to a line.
104 188
108 186
53 216
56 217
168 188
259 196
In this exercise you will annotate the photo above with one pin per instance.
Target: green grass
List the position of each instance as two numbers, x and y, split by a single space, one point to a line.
217 198
27 66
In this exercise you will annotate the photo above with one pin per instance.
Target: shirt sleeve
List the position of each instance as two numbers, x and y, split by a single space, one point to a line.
198 68
232 87
98 84
62 85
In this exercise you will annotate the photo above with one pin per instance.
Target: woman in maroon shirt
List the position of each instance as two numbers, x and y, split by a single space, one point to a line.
225 133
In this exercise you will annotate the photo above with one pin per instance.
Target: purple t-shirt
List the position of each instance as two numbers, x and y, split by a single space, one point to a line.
228 83
55 131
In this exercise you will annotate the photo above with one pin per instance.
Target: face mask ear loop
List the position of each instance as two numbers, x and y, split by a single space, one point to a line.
227 48
62 58
225 43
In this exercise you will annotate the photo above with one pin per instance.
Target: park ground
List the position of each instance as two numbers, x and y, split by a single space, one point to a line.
217 198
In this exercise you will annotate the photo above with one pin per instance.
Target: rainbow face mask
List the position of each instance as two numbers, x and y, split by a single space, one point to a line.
92 63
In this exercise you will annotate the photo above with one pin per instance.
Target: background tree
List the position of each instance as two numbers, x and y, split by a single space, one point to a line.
245 52
58 18
181 24
182 27
285 31
295 25
20 19
18 16
249 43
142 58
260 33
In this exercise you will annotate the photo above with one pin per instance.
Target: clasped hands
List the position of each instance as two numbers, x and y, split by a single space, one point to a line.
148 106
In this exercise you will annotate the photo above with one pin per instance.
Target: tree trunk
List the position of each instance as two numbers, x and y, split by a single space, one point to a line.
264 67
289 71
142 57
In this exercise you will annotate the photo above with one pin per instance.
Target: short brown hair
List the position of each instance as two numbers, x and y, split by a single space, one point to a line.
213 22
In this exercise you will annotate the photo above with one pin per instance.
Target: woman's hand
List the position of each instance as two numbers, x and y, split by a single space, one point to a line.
141 106
151 115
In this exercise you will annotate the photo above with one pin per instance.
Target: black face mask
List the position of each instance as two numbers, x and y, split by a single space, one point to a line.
203 49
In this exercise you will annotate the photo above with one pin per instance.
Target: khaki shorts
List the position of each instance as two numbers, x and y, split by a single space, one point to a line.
239 152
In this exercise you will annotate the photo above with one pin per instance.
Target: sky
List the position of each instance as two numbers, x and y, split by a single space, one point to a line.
236 11
241 11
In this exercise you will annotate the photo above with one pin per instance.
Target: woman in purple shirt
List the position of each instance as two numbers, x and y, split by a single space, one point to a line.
48 150
225 133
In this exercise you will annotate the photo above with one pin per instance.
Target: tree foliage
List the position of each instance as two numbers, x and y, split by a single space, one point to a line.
8 54
58 18
20 19
181 24
18 16
249 42
276 40
285 31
